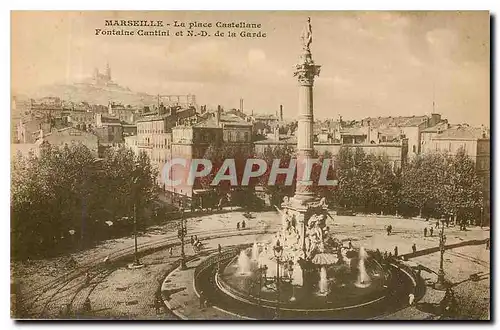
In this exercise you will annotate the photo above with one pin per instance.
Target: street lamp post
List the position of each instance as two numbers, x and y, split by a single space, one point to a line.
482 216
263 273
278 252
181 233
135 180
136 257
441 283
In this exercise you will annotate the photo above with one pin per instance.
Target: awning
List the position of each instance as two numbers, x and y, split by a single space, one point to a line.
325 259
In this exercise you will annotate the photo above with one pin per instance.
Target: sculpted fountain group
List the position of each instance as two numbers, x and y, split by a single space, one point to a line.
310 253
314 273
309 249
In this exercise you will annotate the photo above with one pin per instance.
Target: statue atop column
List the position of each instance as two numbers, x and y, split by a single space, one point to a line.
307 36
306 70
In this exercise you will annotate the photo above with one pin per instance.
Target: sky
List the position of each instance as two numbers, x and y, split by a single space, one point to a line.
372 63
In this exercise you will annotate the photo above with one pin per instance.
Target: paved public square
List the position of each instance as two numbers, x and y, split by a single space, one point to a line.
130 294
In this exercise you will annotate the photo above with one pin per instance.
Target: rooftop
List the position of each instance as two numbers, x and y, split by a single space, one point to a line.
396 121
354 131
182 113
436 128
464 133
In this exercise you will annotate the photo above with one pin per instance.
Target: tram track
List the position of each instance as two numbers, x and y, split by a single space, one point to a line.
39 301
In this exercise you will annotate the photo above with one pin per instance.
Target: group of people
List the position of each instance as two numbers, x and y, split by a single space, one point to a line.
242 225
203 300
430 231
449 303
196 243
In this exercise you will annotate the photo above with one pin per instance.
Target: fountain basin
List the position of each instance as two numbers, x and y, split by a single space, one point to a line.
240 294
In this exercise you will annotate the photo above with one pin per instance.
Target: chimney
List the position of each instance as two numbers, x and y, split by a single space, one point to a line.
281 112
435 119
241 105
217 116
369 133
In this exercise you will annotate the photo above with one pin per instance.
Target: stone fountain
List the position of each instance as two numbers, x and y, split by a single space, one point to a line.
318 276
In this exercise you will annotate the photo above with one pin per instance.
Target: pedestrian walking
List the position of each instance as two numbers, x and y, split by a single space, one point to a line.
158 302
238 226
219 249
411 299
437 224
414 248
86 305
107 261
87 279
243 224
202 299
431 231
396 251
425 232
488 244
350 245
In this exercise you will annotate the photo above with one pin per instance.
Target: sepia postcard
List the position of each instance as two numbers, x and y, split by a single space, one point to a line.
250 165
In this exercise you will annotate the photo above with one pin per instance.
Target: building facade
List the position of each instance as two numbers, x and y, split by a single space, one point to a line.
476 144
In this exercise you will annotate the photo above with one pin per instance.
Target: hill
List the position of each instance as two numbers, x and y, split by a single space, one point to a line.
95 94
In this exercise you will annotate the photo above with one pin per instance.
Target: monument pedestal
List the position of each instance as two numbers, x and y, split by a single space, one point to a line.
300 211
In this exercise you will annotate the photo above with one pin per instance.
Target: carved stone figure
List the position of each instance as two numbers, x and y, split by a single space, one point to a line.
307 36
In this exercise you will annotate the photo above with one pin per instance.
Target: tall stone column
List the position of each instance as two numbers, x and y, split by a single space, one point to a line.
304 204
305 72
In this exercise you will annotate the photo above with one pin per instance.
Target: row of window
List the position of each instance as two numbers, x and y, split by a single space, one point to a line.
235 136
157 144
150 131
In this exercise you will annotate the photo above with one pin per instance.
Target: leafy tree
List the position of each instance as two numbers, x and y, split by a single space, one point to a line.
278 189
347 165
460 191
66 193
422 179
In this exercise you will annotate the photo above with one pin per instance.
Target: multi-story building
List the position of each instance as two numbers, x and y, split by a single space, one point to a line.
126 114
396 152
68 136
131 143
476 144
109 130
154 133
410 127
49 106
427 135
192 142
27 131
81 119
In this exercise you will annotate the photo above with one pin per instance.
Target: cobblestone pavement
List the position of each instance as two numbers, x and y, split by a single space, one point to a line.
129 294
370 232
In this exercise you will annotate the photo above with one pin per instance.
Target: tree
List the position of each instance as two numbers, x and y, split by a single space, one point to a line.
422 179
318 189
67 190
348 167
278 189
461 192
366 182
